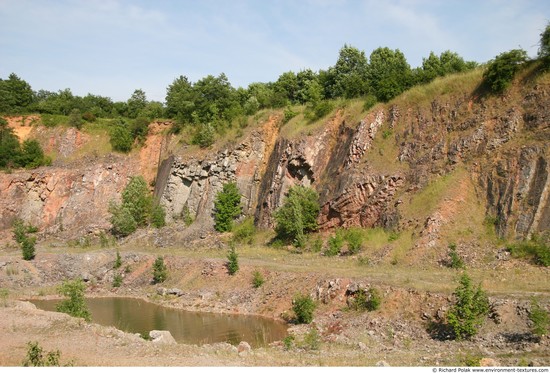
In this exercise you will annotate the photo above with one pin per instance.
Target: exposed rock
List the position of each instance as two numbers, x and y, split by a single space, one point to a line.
488 362
244 349
382 363
162 337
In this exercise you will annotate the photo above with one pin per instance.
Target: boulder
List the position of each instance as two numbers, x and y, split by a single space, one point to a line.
244 348
162 337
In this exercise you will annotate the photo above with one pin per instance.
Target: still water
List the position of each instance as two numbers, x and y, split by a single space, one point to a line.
138 316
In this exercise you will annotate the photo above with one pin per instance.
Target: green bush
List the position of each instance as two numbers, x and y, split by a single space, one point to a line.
455 261
121 139
75 119
539 319
244 232
303 307
312 340
501 71
297 216
535 250
186 216
27 243
76 304
117 280
354 238
232 260
366 301
158 216
335 244
160 272
469 310
318 110
35 356
257 279
204 135
288 114
122 220
227 207
288 342
118 261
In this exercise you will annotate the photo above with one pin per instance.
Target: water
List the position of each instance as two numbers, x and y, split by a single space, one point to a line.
138 316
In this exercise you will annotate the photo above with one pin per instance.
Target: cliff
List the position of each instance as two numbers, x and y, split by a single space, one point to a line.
371 168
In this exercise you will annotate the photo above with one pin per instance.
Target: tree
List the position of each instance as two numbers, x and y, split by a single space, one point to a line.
501 71
76 304
180 99
136 103
544 46
32 155
9 146
298 215
469 310
349 76
232 260
16 95
227 207
160 272
389 73
75 119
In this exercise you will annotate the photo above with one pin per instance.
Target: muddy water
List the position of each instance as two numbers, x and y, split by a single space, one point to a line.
138 316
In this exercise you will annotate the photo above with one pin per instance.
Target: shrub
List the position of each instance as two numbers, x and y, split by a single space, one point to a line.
227 207
32 155
186 216
121 139
139 128
75 305
27 243
469 310
539 319
288 342
536 250
204 135
75 119
257 279
370 101
122 220
245 231
288 114
318 110
335 244
297 216
354 239
35 356
160 272
366 301
317 245
117 280
4 293
501 70
303 307
118 261
232 260
158 216
312 340
455 261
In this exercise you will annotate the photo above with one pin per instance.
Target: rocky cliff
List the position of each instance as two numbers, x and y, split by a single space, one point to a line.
363 166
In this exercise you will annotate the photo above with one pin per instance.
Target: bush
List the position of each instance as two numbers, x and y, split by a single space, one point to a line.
536 250
158 216
335 244
35 356
245 231
455 261
303 307
539 318
501 70
232 260
297 216
469 310
227 207
312 340
318 110
288 114
117 280
186 216
27 243
204 135
122 220
121 139
160 272
257 279
75 305
354 239
366 301
118 261
75 119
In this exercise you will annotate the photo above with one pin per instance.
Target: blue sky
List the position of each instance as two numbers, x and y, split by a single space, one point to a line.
112 47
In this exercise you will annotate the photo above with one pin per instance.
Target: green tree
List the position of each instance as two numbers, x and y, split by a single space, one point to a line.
75 305
122 220
137 198
389 73
544 46
298 215
139 128
9 146
501 71
204 135
75 119
32 155
227 207
180 99
16 95
136 103
257 279
303 307
160 272
469 310
232 260
349 76
27 243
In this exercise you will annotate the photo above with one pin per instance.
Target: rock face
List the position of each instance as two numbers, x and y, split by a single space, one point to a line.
502 142
162 337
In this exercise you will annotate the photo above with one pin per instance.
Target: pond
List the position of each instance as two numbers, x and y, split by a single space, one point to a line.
138 316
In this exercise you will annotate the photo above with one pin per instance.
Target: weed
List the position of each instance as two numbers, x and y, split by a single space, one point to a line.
539 319
117 280
455 261
127 269
4 293
11 270
288 342
186 216
118 261
354 239
335 244
366 301
363 261
312 340
535 250
317 245
35 357
244 232
232 260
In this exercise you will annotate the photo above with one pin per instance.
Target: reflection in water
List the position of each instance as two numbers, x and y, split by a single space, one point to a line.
138 316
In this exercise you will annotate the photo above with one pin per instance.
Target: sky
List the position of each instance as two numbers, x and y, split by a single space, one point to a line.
113 47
